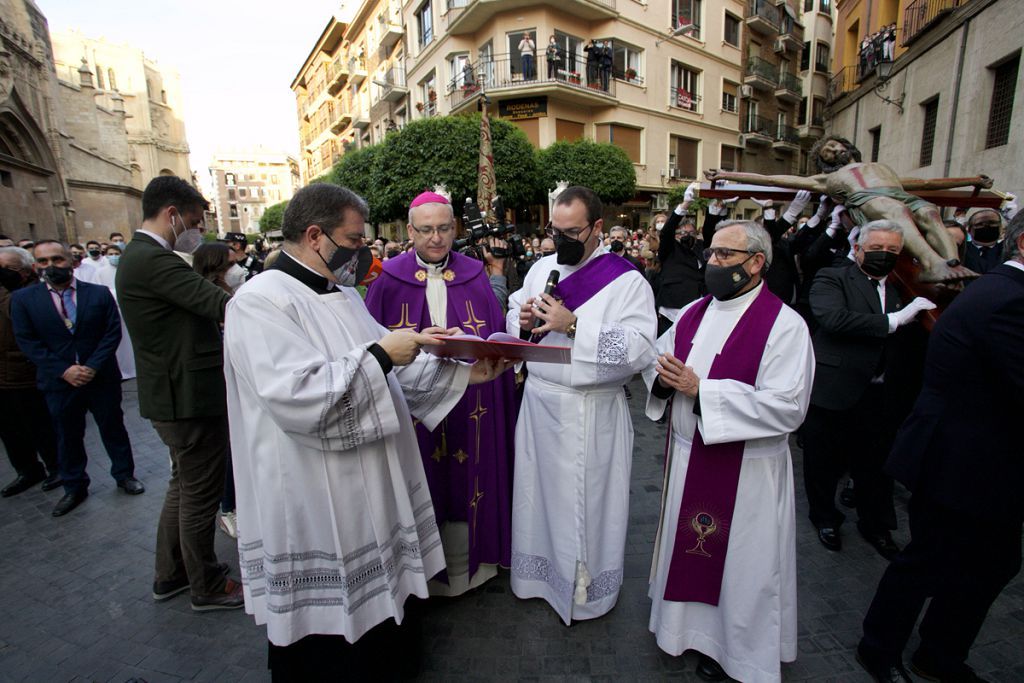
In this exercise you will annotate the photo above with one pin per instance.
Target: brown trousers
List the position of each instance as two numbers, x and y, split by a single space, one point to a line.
185 533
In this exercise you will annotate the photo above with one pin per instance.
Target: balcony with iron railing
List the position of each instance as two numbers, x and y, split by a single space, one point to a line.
761 74
762 17
680 98
356 69
921 15
468 16
758 130
790 89
566 80
337 75
845 81
787 139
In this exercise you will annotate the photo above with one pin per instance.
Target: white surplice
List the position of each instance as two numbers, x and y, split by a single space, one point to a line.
753 628
574 448
104 275
335 523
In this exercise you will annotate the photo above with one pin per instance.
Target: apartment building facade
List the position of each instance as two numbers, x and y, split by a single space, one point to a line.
247 181
948 103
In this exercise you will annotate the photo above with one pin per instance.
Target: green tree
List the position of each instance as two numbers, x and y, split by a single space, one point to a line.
601 166
444 150
360 170
675 197
273 216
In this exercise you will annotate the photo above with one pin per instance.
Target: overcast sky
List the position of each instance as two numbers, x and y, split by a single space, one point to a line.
236 59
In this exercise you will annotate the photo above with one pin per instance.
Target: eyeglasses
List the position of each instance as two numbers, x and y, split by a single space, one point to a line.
571 233
441 230
722 253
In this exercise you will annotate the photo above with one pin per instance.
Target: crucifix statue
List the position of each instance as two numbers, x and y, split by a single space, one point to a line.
871 191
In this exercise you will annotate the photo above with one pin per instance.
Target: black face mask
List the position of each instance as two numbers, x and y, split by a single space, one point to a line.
618 245
11 279
688 241
570 251
878 263
988 233
58 276
94 252
349 266
723 282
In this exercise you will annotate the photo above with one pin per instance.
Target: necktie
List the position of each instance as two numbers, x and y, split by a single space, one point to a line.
70 310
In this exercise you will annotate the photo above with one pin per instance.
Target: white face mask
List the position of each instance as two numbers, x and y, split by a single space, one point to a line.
189 239
235 277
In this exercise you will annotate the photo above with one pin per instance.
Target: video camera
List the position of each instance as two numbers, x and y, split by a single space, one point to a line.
477 230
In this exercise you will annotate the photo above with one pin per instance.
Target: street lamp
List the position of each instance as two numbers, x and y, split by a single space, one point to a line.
677 32
884 72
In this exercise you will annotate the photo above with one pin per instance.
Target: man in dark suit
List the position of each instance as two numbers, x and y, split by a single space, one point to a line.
25 425
964 467
851 421
985 250
173 316
70 331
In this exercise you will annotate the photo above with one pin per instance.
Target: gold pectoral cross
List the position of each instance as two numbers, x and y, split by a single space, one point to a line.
475 503
403 321
476 416
472 322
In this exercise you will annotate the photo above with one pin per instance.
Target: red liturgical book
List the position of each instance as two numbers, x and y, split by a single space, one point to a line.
499 345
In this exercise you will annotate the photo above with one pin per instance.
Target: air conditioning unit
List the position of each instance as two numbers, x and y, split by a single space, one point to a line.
674 173
660 202
780 45
746 91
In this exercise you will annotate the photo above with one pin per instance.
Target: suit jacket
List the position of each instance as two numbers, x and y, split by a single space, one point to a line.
983 259
16 370
682 269
852 334
44 338
173 316
960 446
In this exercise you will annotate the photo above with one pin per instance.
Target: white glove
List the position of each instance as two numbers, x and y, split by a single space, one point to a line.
835 223
690 191
763 203
732 200
820 213
1009 209
769 214
681 207
909 312
797 206
716 208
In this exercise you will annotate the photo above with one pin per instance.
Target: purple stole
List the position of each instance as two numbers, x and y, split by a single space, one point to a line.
579 287
713 473
468 458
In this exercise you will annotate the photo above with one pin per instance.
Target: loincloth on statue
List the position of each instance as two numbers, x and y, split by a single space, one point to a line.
855 200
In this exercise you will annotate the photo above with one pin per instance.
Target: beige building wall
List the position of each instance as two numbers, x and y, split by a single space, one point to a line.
953 64
818 21
246 182
151 99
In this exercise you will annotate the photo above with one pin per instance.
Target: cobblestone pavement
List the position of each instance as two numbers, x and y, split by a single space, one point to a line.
76 603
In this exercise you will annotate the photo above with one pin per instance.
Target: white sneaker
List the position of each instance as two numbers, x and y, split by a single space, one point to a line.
228 523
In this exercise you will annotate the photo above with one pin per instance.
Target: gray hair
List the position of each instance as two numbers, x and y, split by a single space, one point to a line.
1014 231
758 239
20 254
620 229
881 225
412 208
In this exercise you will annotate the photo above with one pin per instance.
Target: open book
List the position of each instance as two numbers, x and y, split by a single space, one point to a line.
499 345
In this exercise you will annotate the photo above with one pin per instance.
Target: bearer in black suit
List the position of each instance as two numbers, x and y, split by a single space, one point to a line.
965 467
854 403
70 331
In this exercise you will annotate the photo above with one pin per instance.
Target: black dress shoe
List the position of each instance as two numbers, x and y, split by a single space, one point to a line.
829 537
710 670
882 673
69 502
131 486
22 483
165 590
882 543
51 482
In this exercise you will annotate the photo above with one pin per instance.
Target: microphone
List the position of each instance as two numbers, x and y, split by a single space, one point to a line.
548 289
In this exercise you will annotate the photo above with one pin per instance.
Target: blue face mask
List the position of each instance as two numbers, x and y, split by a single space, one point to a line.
113 259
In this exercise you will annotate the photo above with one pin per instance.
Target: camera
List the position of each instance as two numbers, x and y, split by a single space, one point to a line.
477 230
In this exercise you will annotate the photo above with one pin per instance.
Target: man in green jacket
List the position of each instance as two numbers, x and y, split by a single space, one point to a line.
173 317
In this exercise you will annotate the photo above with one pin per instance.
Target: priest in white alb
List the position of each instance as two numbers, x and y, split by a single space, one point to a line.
574 437
736 370
335 524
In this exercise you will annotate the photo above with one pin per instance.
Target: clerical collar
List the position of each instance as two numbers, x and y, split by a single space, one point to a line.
433 268
289 265
740 301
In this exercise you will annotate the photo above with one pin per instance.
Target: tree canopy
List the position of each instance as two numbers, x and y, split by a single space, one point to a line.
272 217
601 166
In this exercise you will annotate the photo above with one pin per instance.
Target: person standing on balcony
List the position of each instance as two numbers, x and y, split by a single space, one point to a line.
526 50
593 53
554 56
605 64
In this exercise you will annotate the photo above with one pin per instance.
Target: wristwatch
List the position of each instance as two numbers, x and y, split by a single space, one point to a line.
570 331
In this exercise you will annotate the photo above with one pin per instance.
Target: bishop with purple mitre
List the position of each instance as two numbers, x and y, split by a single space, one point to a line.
468 458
